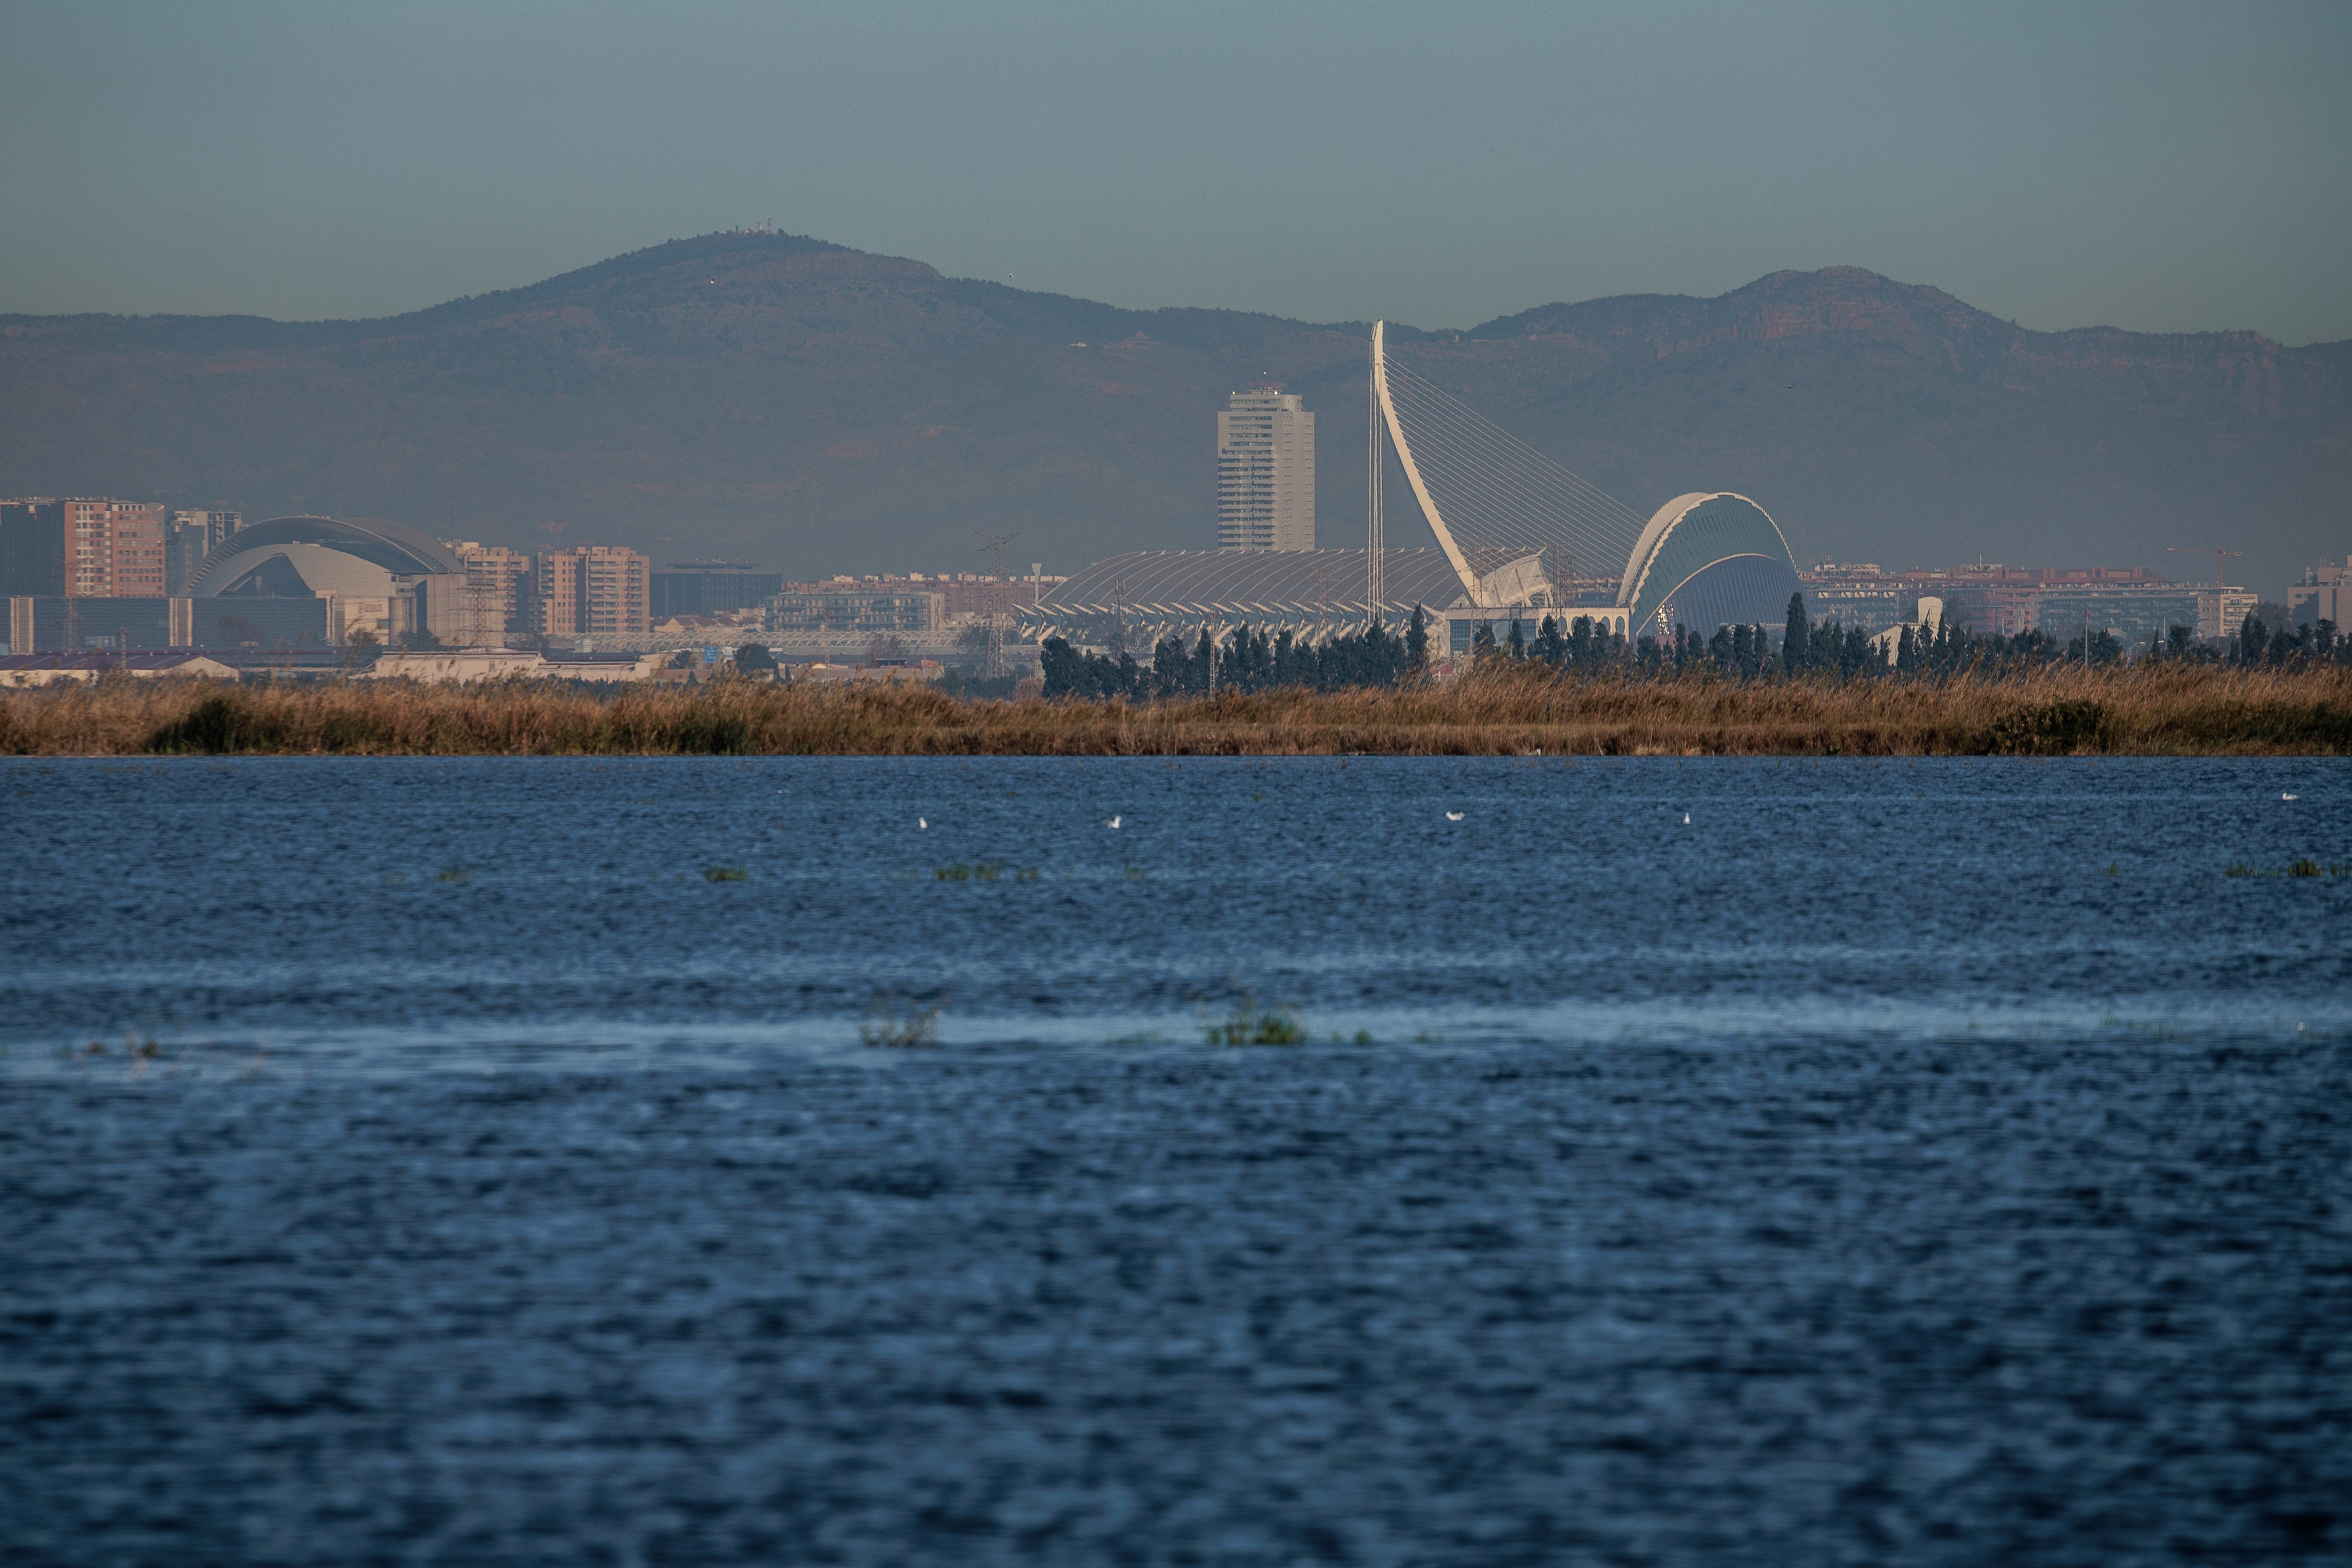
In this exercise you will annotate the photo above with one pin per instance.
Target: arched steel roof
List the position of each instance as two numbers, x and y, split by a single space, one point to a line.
394 546
1718 535
1187 582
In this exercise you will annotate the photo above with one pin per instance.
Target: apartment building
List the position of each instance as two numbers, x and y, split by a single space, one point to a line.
2324 593
32 548
2133 602
591 590
117 549
879 608
1266 472
82 547
497 581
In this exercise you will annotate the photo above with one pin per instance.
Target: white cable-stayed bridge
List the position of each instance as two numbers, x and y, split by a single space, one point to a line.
1522 531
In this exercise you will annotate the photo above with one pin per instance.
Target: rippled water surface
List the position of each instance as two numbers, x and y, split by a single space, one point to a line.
425 1160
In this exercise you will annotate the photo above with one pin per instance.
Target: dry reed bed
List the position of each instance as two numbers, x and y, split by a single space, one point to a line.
2150 710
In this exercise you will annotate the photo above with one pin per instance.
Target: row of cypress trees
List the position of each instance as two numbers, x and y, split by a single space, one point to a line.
1248 661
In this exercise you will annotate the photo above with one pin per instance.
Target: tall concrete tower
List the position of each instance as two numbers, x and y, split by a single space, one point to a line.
1266 472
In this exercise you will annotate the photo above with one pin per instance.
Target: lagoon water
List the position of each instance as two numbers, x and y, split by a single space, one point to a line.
427 1160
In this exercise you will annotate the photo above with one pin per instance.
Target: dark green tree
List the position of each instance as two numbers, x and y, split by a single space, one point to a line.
1060 666
1855 654
752 658
1550 646
1797 641
1170 671
1416 639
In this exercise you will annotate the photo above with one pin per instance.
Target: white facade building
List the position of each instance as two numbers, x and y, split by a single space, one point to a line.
1266 472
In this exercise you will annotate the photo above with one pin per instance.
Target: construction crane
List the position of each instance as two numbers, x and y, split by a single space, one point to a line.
2216 552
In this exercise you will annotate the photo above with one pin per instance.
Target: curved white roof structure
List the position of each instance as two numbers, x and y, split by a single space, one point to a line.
1706 559
355 556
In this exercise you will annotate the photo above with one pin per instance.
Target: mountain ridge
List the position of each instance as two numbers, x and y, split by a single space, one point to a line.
826 409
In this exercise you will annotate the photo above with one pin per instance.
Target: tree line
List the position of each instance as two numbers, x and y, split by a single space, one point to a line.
1246 660
1586 645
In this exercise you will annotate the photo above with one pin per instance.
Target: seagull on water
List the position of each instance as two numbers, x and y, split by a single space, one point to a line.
1455 815
1112 821
2286 797
1686 819
920 825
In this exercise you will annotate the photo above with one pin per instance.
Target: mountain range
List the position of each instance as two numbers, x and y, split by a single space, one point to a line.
777 399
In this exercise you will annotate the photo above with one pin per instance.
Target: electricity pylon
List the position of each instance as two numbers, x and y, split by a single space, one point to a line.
995 545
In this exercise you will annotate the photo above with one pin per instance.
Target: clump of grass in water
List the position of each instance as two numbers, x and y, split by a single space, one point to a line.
885 1026
724 874
1249 1025
455 873
2306 867
983 872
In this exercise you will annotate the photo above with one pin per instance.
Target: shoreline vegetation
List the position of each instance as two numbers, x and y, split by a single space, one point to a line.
2156 708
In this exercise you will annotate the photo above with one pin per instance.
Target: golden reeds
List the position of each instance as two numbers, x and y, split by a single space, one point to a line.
2147 709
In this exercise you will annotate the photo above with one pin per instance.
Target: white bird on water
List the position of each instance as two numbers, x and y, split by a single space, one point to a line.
1112 821
1686 819
2286 797
1455 815
921 824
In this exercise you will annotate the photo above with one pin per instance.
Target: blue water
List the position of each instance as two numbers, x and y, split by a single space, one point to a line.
419 1160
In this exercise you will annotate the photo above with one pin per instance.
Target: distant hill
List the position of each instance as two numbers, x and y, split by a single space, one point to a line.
775 398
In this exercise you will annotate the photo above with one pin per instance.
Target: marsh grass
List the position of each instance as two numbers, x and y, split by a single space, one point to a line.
887 1026
1250 1024
136 1046
724 874
984 871
2305 867
1518 711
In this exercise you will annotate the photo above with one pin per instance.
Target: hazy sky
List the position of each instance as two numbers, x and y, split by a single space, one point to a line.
2146 165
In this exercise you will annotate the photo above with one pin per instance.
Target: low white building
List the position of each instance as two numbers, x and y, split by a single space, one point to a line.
438 667
1930 617
24 670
